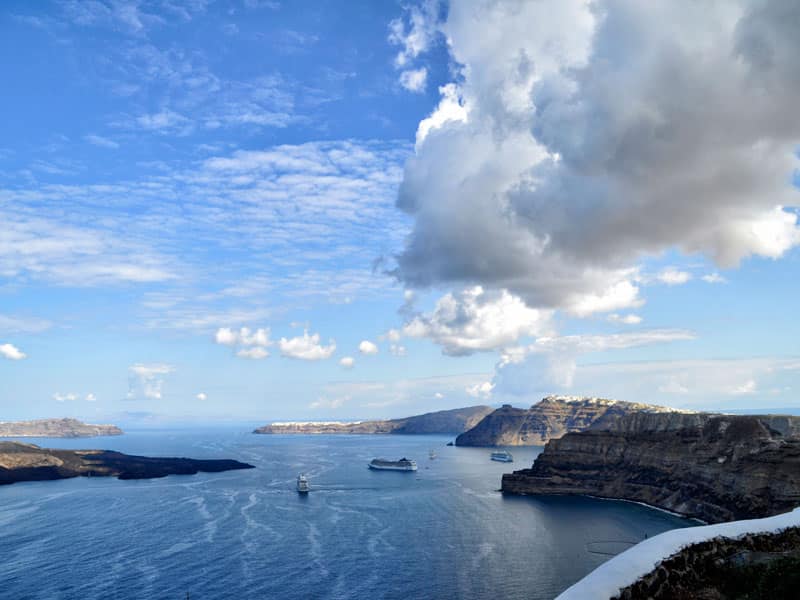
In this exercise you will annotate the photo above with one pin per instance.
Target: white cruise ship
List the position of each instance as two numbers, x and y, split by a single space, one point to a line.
502 456
403 464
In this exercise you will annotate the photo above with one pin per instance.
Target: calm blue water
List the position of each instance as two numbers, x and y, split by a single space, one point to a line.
444 532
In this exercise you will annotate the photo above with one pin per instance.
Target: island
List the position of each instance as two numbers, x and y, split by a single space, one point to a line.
27 462
61 428
455 420
707 466
549 419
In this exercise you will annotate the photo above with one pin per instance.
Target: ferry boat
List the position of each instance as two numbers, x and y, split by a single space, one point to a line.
302 484
403 464
502 456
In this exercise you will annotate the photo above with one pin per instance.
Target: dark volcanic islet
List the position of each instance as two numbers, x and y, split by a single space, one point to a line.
27 462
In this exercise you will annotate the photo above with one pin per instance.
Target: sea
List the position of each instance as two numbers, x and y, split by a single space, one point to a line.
442 532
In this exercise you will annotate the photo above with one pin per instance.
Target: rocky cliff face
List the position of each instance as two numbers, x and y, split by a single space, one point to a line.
443 421
26 462
551 418
65 428
712 467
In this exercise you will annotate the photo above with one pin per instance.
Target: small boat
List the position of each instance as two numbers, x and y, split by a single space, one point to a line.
431 454
381 464
302 484
502 456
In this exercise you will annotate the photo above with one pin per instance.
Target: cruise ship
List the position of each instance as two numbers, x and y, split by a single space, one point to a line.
403 464
502 456
302 484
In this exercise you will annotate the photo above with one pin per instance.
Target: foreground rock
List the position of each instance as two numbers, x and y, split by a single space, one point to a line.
62 428
551 418
26 462
712 467
443 421
753 559
762 566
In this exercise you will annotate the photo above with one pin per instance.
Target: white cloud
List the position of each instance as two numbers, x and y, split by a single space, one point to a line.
568 189
414 80
748 387
11 352
302 205
673 386
415 36
329 403
13 324
476 320
73 397
348 362
553 360
673 276
256 353
202 396
397 350
162 121
147 380
714 278
629 319
251 344
42 247
622 294
480 390
405 396
367 347
393 335
306 347
103 142
451 109
438 395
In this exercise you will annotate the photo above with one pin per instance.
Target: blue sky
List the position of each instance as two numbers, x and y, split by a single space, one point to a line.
262 210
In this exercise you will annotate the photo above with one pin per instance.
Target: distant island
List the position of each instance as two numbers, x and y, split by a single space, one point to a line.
709 466
549 419
455 420
61 428
27 462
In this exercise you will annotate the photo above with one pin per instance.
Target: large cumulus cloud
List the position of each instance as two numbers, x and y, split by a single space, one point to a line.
580 137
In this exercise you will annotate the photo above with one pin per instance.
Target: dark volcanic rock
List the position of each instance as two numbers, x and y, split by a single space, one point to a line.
63 428
712 467
549 419
443 421
26 462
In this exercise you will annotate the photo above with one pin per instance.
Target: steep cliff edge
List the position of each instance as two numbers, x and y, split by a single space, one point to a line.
443 421
26 462
712 467
549 419
63 428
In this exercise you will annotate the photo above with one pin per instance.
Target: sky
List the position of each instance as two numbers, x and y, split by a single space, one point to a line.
259 210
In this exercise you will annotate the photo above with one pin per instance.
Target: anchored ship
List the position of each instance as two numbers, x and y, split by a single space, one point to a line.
403 464
502 456
302 484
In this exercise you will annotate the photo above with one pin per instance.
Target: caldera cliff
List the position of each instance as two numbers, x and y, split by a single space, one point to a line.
549 419
712 467
62 428
26 462
443 421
